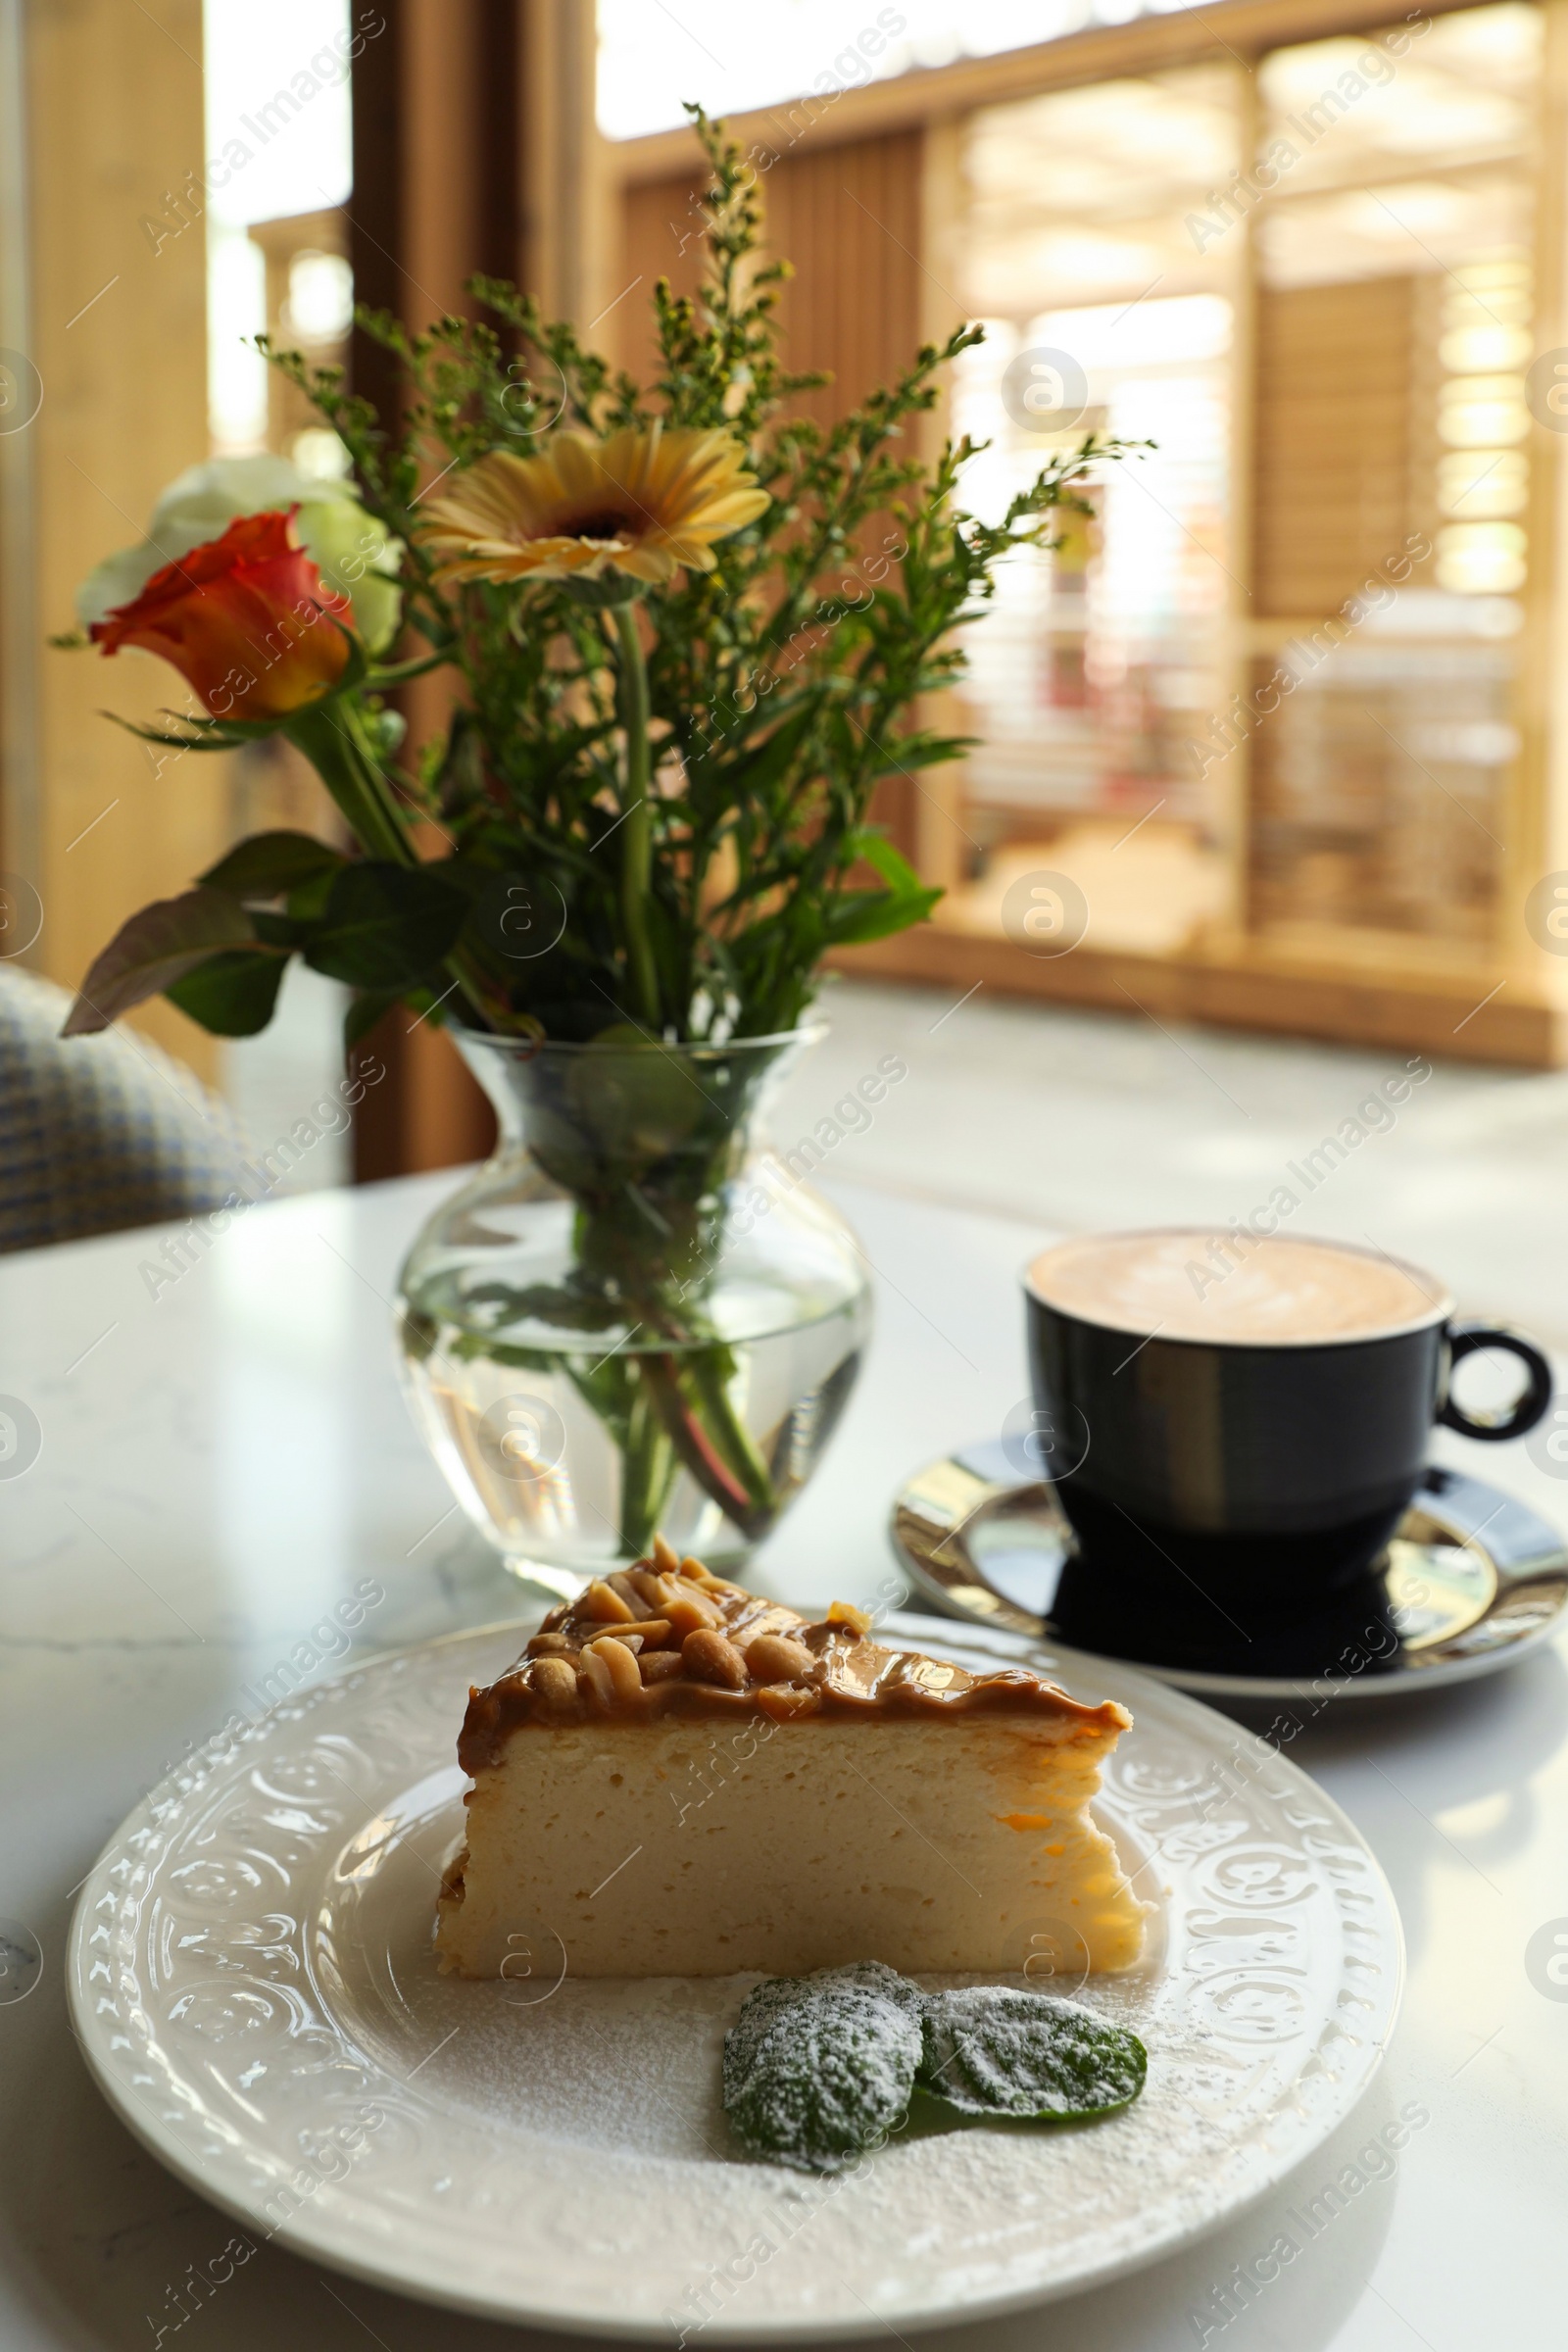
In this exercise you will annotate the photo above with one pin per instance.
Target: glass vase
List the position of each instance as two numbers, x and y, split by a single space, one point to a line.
632 1318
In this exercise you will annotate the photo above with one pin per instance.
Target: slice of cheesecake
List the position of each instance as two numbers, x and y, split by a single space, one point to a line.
680 1779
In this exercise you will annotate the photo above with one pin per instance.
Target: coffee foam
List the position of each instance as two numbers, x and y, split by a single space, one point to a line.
1190 1283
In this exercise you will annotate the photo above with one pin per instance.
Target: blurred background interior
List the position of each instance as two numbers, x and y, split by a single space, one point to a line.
1345 352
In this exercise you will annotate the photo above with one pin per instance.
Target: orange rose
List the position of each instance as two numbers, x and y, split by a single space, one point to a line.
246 620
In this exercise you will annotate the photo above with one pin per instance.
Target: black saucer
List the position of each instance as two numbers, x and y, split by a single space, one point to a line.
1471 1581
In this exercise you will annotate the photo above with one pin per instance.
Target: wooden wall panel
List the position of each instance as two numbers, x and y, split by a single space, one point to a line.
847 219
117 330
657 239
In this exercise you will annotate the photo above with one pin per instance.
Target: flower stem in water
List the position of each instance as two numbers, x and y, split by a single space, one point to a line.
636 824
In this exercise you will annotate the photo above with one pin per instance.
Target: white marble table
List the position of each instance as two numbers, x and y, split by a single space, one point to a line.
224 1460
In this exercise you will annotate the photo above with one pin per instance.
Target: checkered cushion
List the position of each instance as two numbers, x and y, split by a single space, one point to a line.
98 1132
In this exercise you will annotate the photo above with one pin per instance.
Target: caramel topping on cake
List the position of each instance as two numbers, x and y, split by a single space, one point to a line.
667 1637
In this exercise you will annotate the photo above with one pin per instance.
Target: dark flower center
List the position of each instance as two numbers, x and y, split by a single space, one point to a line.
605 522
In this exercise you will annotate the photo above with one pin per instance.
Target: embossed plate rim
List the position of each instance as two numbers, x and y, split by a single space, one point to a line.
374 2244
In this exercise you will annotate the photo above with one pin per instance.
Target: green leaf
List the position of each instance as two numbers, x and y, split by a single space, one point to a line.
278 930
364 1012
268 864
156 948
992 2051
212 739
307 903
854 916
385 927
922 750
761 769
857 915
231 995
818 2069
880 854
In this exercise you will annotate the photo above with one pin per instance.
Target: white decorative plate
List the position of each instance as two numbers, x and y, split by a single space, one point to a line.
251 1978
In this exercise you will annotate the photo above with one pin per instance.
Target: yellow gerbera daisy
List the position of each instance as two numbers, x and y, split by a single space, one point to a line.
644 502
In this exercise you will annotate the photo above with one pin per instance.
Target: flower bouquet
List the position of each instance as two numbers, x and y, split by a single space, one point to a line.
685 634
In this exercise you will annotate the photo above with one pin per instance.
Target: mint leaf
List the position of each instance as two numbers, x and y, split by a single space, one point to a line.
763 2006
817 2068
992 2051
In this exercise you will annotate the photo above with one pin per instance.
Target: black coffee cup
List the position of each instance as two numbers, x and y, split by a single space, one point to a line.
1252 1478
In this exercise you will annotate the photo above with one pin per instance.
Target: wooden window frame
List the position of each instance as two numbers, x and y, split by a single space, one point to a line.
1508 1003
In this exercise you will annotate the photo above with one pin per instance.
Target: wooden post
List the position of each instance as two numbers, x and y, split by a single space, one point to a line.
1535 809
104 272
472 130
1233 788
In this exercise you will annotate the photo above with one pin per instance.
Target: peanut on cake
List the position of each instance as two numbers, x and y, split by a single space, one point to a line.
680 1779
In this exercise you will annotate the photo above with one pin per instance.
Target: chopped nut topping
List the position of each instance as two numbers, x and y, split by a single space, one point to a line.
555 1681
621 1583
709 1658
690 1610
775 1659
654 1633
664 1637
605 1606
781 1701
844 1612
625 1678
596 1679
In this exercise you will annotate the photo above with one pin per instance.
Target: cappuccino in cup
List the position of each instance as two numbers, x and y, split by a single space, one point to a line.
1251 1291
1236 1423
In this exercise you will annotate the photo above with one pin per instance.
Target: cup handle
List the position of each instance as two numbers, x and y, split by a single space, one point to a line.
1468 1338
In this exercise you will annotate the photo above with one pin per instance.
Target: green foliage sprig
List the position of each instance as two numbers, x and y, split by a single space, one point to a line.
782 688
781 691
